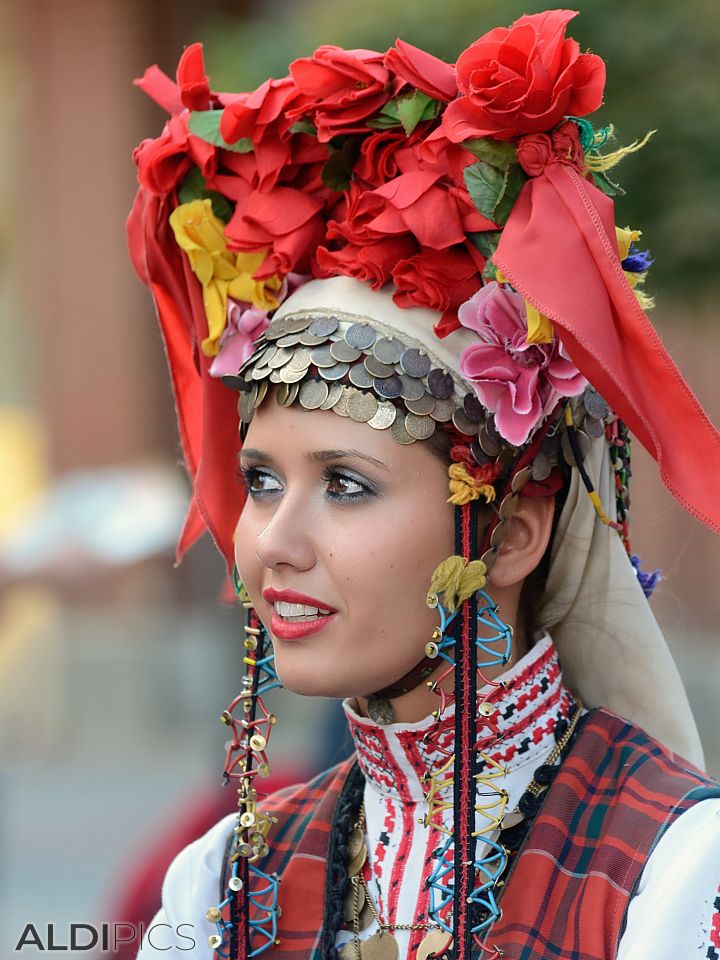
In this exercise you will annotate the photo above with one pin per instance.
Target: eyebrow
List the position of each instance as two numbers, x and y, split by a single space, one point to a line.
314 456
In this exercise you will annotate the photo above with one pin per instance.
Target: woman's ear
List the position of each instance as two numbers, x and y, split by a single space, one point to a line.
526 538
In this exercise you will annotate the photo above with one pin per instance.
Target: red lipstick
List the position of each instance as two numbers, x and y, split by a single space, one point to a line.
295 630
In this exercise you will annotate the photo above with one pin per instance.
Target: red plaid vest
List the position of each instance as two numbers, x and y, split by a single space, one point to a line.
567 894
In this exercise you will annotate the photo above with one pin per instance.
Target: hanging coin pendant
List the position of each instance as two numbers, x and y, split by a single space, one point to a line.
353 898
358 862
366 916
380 710
380 946
355 841
436 944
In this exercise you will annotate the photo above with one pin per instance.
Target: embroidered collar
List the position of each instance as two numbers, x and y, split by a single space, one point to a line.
395 757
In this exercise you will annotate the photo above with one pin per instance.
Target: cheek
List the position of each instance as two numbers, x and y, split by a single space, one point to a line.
246 560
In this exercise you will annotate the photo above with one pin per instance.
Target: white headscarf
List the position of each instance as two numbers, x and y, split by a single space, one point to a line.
611 648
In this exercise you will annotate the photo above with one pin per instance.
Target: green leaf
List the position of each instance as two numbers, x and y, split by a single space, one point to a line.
485 185
486 241
304 126
512 184
608 187
383 123
489 272
205 124
193 188
337 171
414 107
497 153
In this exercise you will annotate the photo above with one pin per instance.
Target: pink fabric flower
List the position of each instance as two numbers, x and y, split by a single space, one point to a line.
245 323
517 381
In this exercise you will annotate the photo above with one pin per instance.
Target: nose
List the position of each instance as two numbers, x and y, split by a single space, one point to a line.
285 539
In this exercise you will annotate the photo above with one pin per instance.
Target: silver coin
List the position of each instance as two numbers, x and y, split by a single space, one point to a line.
334 391
245 405
491 447
413 388
322 357
440 384
423 405
293 390
323 326
260 372
478 454
362 407
541 466
415 362
595 405
262 390
301 359
289 340
289 375
360 376
464 424
594 428
280 357
275 376
520 479
583 442
313 393
269 352
389 387
360 335
234 382
418 426
443 410
492 430
296 324
344 352
385 416
377 368
276 330
308 339
281 394
336 372
398 431
474 410
388 349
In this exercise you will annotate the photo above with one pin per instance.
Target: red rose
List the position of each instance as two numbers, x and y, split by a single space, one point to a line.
377 162
439 280
162 163
422 70
286 221
415 203
371 262
191 78
537 150
523 79
342 89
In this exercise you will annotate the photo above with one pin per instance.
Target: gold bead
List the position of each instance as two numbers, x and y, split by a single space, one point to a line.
226 717
250 643
431 649
257 742
213 915
214 941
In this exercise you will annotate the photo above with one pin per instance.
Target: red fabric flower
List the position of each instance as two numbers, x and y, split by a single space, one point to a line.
162 163
439 280
192 81
372 262
416 203
422 70
537 150
342 89
523 79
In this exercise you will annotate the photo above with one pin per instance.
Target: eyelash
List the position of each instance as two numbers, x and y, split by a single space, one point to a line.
249 474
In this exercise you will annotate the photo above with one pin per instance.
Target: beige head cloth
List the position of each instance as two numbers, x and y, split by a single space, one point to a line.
611 648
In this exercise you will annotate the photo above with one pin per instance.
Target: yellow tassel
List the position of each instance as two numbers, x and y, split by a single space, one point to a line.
625 236
539 327
457 579
464 487
599 163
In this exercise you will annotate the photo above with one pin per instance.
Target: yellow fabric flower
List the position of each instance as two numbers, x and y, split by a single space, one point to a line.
464 487
625 236
539 327
221 272
457 579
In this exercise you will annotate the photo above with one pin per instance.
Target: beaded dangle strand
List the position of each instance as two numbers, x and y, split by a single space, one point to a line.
246 920
483 805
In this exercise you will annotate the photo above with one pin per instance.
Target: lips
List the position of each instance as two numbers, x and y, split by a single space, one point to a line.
297 629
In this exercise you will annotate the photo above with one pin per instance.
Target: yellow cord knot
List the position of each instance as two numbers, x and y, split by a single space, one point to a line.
464 487
457 580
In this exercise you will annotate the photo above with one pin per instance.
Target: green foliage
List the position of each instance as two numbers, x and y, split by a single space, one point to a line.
193 188
206 125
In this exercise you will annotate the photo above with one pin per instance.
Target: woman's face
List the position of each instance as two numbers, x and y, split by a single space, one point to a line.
346 516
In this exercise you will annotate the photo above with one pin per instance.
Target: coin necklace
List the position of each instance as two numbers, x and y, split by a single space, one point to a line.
359 910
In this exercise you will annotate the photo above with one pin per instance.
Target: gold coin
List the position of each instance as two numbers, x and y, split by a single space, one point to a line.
464 424
296 324
380 946
291 375
341 404
398 431
313 394
422 406
356 864
301 359
354 901
245 405
334 391
355 841
384 417
362 407
435 944
281 356
262 390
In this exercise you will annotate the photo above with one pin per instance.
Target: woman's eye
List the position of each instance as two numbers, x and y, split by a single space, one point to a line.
257 481
341 486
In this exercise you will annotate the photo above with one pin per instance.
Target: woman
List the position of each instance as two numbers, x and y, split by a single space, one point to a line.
429 254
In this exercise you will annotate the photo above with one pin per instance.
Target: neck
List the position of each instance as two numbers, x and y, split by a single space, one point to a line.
420 702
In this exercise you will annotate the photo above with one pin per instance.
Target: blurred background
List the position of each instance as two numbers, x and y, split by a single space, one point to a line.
114 666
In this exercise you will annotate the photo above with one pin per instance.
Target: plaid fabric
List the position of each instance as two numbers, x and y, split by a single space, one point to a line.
568 892
615 795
